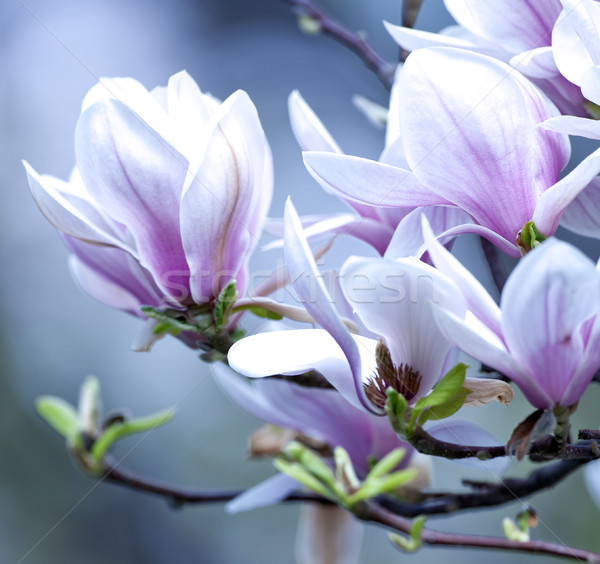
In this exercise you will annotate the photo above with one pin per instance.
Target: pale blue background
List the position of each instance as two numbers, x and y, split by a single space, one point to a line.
52 335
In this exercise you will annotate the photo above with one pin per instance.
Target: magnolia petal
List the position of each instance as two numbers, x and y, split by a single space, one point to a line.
392 299
582 216
572 125
190 111
328 534
513 24
310 132
486 390
314 296
477 341
547 298
103 289
413 39
369 230
71 212
497 240
112 276
504 170
591 476
536 63
136 177
369 182
553 202
478 300
576 40
590 84
408 237
132 94
269 492
467 433
298 351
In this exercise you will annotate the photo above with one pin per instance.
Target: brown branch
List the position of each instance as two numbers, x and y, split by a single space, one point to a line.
487 494
541 450
383 69
375 513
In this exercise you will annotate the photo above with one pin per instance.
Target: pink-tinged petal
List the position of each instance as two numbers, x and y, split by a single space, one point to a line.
478 300
408 237
298 351
310 132
368 230
136 177
328 534
536 63
474 338
588 365
133 95
500 242
471 135
312 135
112 276
311 291
393 299
576 39
467 433
269 492
513 24
222 197
103 289
582 216
369 182
552 292
553 202
69 209
583 127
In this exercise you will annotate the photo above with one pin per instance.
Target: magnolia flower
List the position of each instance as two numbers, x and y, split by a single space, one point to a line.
513 31
168 197
392 299
545 336
469 129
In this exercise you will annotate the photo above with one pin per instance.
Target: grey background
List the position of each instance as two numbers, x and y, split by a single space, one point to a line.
51 335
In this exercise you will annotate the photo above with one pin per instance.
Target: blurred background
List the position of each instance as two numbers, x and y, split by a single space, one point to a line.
52 336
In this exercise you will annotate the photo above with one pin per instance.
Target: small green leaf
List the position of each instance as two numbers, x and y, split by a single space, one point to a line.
387 463
224 305
445 389
395 408
344 469
120 429
259 311
372 487
309 25
311 461
445 409
512 531
59 414
412 543
168 324
302 475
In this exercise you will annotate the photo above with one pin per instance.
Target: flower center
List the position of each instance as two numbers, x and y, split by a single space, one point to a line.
404 379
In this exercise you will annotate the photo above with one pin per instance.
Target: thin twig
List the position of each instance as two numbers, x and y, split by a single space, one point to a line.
373 512
384 70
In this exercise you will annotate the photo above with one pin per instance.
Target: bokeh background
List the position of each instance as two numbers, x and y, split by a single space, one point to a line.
51 335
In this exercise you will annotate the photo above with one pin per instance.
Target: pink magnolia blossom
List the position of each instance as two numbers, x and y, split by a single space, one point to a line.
168 197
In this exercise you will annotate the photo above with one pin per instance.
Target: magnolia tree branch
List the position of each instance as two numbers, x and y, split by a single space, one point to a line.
542 450
384 70
389 514
375 513
494 259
